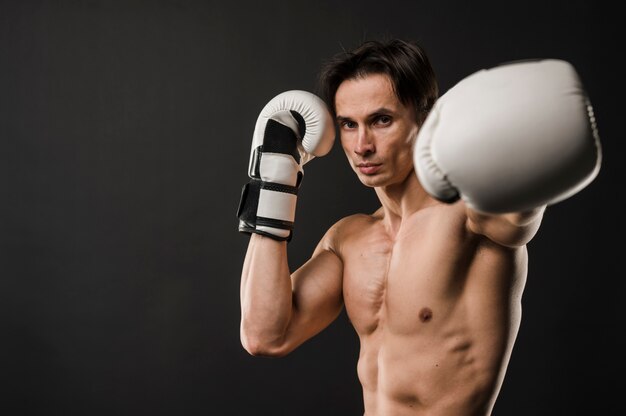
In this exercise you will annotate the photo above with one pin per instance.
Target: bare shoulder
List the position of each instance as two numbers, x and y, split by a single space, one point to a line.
345 230
440 217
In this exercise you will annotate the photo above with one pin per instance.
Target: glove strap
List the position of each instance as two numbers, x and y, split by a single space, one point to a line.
267 208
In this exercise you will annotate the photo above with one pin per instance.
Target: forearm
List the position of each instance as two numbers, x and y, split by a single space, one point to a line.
266 294
511 229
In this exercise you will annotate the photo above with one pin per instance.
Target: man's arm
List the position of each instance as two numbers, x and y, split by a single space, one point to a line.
510 230
510 141
279 310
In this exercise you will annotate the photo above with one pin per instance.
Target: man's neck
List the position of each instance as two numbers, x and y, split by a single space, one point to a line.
402 199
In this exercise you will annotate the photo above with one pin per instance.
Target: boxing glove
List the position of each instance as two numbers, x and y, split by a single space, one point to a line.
292 129
510 138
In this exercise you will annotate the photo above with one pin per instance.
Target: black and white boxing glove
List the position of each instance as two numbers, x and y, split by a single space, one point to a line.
292 129
510 138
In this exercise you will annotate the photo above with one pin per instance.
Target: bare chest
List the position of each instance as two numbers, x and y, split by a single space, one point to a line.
402 282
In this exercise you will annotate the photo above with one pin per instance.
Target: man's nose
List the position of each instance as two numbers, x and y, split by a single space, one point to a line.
364 143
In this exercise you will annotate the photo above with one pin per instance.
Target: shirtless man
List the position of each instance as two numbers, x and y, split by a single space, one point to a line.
432 280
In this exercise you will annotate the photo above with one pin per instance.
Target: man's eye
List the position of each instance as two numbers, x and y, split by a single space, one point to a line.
348 124
383 120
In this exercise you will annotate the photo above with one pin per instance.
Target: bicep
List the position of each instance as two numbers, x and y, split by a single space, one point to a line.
317 294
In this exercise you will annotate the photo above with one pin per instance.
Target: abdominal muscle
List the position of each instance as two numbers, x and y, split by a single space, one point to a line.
436 316
451 372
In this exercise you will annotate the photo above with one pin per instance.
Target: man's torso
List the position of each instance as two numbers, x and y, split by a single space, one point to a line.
436 308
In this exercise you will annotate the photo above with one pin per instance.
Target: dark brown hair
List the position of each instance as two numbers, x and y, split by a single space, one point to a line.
404 62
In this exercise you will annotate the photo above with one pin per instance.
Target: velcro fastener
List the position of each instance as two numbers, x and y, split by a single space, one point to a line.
275 204
267 208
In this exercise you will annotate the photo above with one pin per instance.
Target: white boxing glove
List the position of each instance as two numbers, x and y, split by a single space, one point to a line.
292 129
510 138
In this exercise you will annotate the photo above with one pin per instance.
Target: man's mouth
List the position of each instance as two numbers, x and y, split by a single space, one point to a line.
368 168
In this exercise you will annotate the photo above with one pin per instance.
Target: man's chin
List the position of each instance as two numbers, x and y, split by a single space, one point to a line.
371 181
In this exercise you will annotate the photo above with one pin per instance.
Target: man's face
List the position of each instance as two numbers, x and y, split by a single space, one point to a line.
376 130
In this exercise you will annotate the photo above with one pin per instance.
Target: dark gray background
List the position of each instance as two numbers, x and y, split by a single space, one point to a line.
125 131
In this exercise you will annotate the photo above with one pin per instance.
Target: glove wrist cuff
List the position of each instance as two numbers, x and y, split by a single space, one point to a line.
267 208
